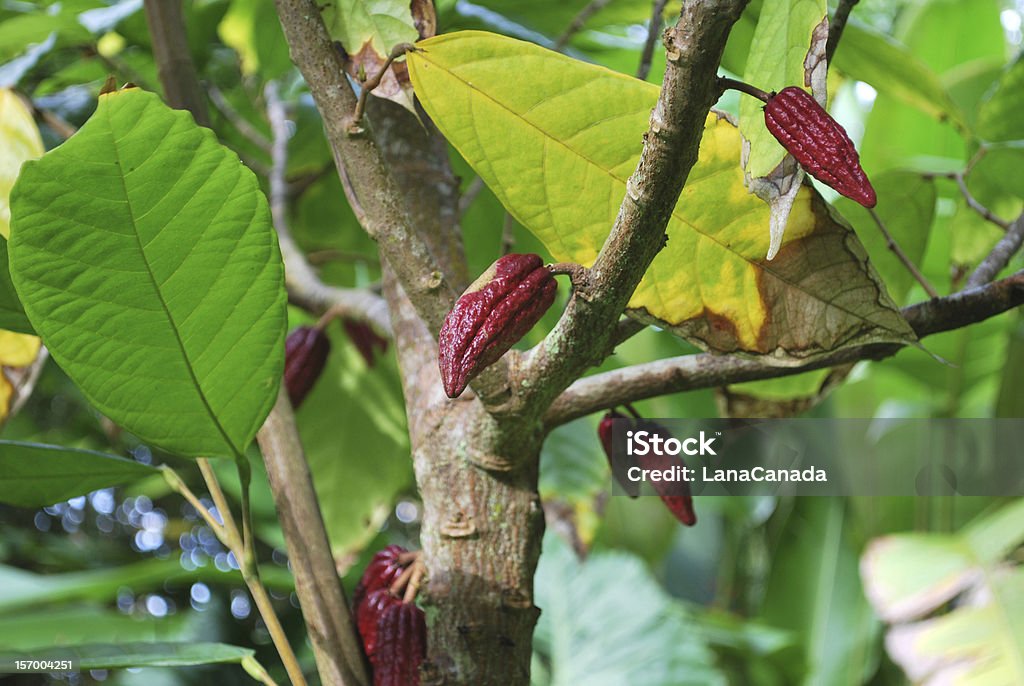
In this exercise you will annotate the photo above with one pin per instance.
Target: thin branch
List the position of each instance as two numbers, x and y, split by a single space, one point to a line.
836 26
694 50
174 61
332 632
368 85
577 273
973 203
1001 254
902 256
372 192
304 286
579 21
725 82
708 370
508 233
472 190
653 31
250 132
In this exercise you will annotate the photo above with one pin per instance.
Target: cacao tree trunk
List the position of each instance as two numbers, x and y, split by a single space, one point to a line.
477 474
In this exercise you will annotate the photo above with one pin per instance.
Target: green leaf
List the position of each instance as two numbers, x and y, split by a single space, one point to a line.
556 139
32 475
999 117
650 642
870 56
908 577
906 205
70 625
814 590
122 655
776 60
12 314
144 255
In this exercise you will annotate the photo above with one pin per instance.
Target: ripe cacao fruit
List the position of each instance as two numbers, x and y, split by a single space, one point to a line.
401 646
675 494
305 354
368 614
491 316
383 570
818 143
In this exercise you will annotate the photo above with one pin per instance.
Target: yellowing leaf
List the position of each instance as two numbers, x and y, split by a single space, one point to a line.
19 141
18 349
556 139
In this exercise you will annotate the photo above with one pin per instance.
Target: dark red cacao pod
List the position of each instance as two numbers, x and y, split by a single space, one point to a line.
367 341
305 354
368 616
401 646
383 570
675 494
618 467
818 143
491 316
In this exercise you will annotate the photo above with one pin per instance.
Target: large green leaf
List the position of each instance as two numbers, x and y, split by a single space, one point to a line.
999 118
814 591
875 58
121 655
777 53
88 623
144 255
12 314
32 475
556 139
908 577
650 642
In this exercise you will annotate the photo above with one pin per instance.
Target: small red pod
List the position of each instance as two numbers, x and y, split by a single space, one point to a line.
383 570
675 494
368 616
401 646
367 341
305 354
818 143
618 467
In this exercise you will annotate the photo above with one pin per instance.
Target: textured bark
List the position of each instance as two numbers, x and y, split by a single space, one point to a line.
482 527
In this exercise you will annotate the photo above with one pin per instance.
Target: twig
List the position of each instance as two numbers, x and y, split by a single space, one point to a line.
227 533
472 190
336 646
836 26
577 273
367 86
1001 254
508 233
708 370
304 287
592 8
653 31
972 202
725 82
251 133
174 62
902 256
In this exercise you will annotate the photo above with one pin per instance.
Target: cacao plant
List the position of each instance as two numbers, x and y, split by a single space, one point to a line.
491 316
306 350
818 142
401 645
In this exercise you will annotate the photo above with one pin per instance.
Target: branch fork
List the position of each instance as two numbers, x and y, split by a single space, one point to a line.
354 123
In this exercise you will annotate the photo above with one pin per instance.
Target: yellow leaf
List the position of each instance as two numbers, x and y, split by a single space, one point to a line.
19 141
18 349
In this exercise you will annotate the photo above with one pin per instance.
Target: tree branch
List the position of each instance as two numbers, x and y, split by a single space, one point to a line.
304 286
707 370
332 631
174 61
836 26
902 256
1000 256
579 21
694 49
653 30
372 192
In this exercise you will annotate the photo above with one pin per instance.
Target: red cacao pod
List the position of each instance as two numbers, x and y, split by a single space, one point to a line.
818 143
383 570
491 316
368 615
305 354
367 341
401 646
675 494
617 466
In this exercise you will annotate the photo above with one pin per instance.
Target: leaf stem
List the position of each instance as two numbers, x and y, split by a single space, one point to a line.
725 82
368 85
902 256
